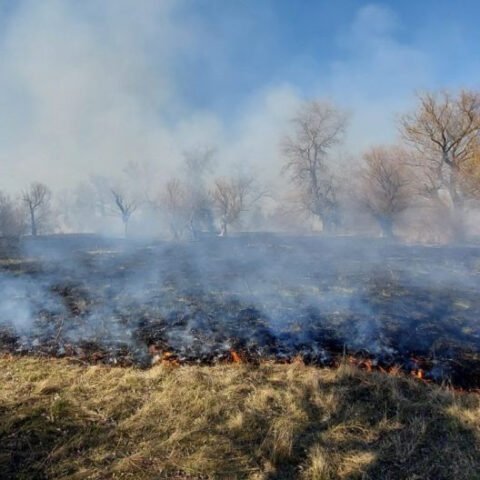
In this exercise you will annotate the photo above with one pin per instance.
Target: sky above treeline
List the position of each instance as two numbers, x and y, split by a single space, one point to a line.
87 86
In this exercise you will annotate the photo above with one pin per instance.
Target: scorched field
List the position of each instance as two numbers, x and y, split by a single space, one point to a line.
253 298
201 360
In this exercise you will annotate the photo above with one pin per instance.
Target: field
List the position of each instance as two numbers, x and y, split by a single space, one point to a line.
257 356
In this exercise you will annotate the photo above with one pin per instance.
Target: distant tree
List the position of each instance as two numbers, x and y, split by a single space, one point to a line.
142 178
470 175
102 195
124 206
318 127
444 128
85 208
12 222
385 185
198 166
198 162
231 197
174 202
116 197
37 201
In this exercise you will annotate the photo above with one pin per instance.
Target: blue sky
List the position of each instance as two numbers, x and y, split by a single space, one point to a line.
87 85
251 44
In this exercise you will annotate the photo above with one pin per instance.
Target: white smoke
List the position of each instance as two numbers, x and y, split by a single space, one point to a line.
86 87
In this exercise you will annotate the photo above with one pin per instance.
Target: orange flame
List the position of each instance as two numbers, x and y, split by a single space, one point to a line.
236 358
368 365
298 360
418 373
169 358
395 370
165 358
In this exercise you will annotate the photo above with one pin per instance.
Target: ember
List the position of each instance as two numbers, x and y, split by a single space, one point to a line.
236 358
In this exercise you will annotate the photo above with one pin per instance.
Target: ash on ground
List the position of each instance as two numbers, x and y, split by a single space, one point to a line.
252 297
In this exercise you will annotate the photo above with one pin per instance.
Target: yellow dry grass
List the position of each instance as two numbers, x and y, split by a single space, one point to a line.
59 420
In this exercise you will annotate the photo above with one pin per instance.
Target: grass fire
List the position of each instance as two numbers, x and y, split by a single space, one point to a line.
275 347
253 298
239 240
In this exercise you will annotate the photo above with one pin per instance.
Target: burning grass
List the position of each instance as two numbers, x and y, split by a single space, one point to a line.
68 421
234 331
386 306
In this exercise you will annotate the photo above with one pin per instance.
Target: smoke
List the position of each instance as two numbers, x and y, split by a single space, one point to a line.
271 297
87 87
101 96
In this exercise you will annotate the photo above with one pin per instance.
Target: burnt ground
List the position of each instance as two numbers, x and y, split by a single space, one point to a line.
248 298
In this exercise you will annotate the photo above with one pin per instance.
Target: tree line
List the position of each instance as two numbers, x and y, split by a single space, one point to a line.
432 173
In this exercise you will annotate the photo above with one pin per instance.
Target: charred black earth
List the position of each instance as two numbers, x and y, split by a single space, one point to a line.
247 298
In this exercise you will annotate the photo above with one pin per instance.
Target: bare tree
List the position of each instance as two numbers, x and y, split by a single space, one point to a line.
319 126
198 166
174 202
385 188
101 193
231 197
37 200
12 217
86 207
470 175
124 206
443 128
198 162
142 177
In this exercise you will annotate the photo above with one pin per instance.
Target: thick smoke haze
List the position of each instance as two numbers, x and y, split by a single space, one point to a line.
271 297
86 87
172 124
291 186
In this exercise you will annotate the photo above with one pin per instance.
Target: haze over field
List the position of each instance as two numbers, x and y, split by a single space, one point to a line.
86 87
239 239
176 112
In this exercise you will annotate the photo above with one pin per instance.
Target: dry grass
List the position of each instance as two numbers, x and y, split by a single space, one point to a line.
64 421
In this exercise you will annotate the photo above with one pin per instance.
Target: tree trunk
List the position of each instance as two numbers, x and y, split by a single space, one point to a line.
386 224
125 224
223 229
327 226
174 231
33 222
191 225
453 188
456 207
458 224
330 222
